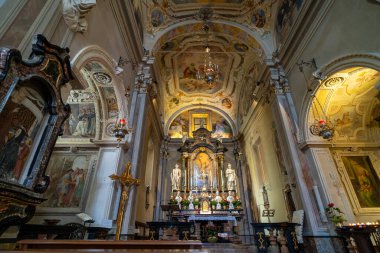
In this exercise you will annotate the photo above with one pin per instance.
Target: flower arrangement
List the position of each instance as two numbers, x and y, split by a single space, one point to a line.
185 202
236 203
172 202
334 214
224 202
213 203
196 202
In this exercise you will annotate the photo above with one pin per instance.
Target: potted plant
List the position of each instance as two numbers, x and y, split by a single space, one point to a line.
196 204
237 204
172 202
224 203
334 214
185 203
213 204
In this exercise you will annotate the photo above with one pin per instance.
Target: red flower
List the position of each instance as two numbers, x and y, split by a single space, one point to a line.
330 205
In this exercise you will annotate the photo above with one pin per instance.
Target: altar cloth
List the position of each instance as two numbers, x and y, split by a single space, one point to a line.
211 218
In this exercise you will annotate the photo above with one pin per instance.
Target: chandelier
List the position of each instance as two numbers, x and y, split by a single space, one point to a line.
321 126
209 71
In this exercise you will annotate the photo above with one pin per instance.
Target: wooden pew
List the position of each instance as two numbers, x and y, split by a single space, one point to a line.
107 244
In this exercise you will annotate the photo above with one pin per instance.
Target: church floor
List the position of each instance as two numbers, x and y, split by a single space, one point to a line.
206 248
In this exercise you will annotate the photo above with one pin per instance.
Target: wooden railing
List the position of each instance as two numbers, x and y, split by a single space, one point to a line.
275 237
361 238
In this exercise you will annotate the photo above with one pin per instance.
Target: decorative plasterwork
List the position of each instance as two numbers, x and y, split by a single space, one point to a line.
255 15
74 13
349 99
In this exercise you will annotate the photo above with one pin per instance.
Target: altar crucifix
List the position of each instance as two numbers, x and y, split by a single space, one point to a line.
126 181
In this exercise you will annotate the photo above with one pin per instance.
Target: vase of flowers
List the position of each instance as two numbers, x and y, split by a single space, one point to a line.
237 204
334 214
185 204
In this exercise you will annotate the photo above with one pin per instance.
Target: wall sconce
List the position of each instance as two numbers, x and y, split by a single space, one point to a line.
120 130
321 126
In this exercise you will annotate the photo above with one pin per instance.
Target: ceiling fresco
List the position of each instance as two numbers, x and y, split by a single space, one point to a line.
241 35
351 100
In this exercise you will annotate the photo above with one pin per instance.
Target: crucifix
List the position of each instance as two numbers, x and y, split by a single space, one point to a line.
126 181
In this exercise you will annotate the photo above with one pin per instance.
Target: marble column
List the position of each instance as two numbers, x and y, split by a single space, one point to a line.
137 119
161 179
222 186
184 173
286 121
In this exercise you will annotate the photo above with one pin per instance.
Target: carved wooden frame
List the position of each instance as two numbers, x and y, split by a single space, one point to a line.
49 66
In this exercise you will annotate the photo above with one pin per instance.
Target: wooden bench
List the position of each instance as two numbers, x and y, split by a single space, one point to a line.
107 244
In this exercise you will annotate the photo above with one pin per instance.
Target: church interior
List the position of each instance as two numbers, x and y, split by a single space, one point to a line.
193 125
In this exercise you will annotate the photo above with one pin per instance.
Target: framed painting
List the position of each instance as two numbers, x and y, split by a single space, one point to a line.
70 174
200 120
362 180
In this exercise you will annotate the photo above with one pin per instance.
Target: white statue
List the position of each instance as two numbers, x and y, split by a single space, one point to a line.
190 198
218 199
230 198
231 178
176 177
178 198
74 13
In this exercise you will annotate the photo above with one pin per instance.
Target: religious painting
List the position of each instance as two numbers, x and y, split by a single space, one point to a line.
204 173
189 121
361 80
110 97
20 120
199 120
156 18
258 18
220 127
191 70
286 15
346 121
81 122
364 180
180 126
69 175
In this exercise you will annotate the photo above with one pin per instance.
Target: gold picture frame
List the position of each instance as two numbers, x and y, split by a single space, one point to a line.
199 119
360 175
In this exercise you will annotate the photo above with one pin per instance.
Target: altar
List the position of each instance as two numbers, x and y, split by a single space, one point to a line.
205 189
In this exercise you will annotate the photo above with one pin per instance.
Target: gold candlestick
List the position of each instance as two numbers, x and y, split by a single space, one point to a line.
126 181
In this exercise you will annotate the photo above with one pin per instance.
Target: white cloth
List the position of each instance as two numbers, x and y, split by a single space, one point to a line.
226 218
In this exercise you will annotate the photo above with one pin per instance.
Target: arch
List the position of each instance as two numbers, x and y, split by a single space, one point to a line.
96 54
371 61
266 43
200 106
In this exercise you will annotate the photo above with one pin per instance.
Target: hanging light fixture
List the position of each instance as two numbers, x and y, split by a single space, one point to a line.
209 71
321 126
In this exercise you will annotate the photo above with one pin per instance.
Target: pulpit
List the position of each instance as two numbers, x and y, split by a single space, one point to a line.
31 114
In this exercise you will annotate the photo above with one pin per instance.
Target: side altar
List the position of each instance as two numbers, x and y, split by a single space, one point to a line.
205 189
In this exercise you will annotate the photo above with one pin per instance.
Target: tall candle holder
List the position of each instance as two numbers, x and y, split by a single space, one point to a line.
267 212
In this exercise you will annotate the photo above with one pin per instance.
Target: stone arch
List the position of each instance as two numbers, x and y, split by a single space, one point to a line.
210 107
106 113
370 61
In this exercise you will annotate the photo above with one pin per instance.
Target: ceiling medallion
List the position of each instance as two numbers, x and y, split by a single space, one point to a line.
209 71
102 77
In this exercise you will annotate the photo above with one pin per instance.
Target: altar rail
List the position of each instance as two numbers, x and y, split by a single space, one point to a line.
273 237
361 238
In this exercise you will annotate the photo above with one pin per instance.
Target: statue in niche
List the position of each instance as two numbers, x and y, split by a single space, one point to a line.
176 177
231 178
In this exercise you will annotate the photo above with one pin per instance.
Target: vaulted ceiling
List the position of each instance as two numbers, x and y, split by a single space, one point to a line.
241 35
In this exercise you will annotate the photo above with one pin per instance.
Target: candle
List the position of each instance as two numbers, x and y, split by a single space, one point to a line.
122 121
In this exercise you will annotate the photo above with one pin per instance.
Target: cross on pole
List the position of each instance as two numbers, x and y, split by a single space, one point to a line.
126 181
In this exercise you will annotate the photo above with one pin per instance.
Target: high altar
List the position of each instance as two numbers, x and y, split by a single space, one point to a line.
204 187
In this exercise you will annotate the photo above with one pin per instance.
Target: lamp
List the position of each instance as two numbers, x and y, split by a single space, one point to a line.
321 126
209 72
120 130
